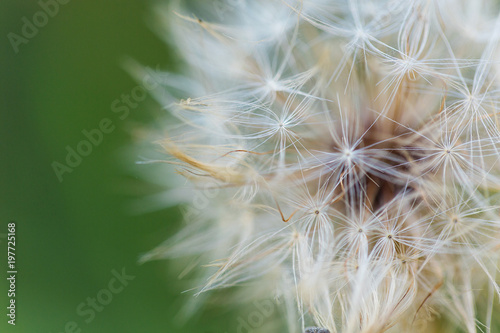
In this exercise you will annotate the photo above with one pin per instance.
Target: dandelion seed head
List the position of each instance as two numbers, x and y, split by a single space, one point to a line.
344 155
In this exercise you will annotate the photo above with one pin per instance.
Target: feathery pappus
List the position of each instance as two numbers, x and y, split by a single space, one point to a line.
342 156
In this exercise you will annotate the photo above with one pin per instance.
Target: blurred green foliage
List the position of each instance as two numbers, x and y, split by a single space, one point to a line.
72 234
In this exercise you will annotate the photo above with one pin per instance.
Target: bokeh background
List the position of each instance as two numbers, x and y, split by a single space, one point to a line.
72 234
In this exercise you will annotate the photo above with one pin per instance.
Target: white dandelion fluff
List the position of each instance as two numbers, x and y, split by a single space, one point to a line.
345 154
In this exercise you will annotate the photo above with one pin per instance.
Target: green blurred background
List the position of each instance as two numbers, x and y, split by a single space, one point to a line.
72 234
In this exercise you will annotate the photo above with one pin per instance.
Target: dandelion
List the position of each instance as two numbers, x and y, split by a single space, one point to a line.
344 156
